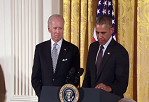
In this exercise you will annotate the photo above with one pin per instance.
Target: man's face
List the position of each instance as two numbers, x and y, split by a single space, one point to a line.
56 29
103 33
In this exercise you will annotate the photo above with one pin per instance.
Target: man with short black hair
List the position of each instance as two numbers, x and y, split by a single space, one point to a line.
107 65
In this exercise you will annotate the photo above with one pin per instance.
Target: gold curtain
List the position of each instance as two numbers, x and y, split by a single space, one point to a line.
132 17
143 50
126 35
79 18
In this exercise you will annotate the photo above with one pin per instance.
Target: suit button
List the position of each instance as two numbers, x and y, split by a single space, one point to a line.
53 79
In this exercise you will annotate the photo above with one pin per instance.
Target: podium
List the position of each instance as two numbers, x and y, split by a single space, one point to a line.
51 94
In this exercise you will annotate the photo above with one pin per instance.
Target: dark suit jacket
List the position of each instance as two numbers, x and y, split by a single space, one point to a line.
114 68
42 72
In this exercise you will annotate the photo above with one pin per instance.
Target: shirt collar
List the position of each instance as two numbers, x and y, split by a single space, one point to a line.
58 43
105 45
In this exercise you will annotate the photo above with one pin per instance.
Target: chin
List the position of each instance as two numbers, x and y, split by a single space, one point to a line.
58 40
101 43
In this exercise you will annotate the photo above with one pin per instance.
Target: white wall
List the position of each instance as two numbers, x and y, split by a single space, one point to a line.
23 24
56 6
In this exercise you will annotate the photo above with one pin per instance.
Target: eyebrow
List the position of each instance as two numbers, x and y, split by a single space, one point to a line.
100 32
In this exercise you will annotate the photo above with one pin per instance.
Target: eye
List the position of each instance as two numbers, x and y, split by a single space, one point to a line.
103 33
97 32
60 28
55 28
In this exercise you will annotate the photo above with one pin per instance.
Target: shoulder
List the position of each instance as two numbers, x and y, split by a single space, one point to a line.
117 47
68 44
94 44
44 44
118 50
120 47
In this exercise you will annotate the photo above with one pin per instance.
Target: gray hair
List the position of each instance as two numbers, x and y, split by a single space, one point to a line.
54 16
126 100
104 19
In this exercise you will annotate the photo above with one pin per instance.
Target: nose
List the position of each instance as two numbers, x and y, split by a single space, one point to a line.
57 30
99 35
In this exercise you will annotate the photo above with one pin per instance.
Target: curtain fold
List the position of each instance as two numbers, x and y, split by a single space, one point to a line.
79 18
143 51
75 22
67 18
126 36
83 35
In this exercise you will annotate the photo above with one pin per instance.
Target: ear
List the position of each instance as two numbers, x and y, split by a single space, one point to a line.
49 29
112 30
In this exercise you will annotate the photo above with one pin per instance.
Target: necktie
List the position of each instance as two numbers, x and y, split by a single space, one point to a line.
54 56
99 58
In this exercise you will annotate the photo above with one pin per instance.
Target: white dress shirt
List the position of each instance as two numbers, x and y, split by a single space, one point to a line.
105 47
58 47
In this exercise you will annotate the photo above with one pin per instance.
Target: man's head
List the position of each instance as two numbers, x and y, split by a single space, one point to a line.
56 27
104 29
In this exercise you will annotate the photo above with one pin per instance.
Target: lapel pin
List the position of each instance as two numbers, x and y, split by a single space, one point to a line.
108 53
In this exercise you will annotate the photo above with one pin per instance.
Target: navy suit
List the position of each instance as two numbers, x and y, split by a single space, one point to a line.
114 68
42 73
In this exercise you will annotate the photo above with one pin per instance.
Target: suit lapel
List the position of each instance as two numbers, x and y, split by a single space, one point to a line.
106 56
94 54
48 56
63 50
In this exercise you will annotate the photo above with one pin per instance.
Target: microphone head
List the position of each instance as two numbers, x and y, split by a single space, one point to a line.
80 72
77 77
72 71
70 76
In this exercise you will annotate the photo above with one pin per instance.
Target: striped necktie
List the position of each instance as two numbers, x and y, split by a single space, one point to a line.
99 58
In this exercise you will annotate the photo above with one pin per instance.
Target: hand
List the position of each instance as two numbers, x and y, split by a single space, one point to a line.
104 87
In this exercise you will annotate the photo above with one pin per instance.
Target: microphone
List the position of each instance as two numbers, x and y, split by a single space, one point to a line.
69 77
77 77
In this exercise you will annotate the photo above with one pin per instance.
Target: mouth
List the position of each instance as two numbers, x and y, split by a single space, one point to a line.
57 36
101 42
